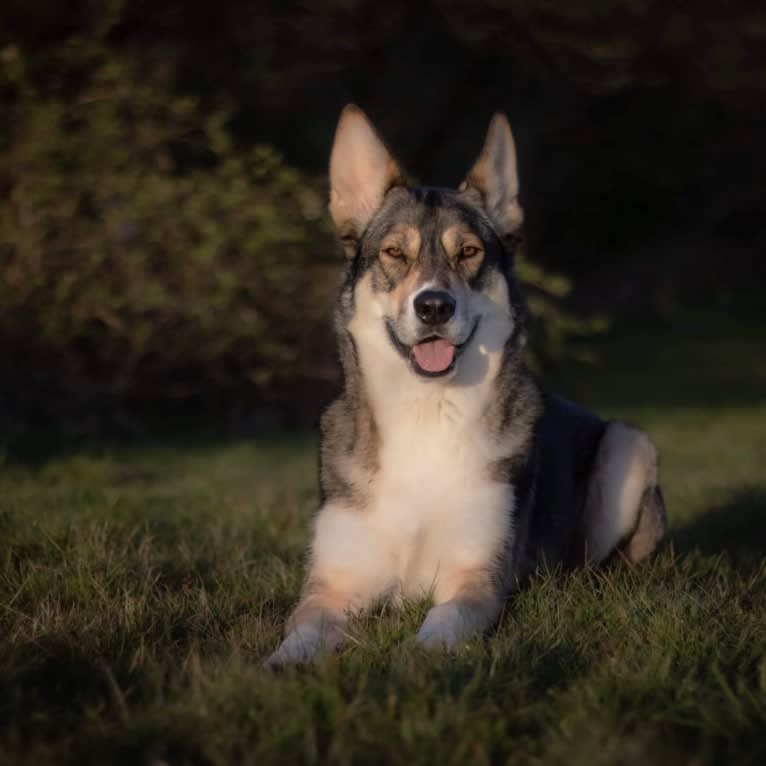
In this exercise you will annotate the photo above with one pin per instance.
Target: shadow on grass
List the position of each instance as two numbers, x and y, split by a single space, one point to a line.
738 527
50 676
554 667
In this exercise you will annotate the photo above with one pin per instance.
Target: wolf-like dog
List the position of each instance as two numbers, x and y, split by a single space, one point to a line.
445 469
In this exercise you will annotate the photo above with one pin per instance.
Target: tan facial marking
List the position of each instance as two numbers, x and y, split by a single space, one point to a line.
399 249
464 248
405 238
409 285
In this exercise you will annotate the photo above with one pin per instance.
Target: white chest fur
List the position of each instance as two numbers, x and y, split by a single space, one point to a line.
433 512
433 500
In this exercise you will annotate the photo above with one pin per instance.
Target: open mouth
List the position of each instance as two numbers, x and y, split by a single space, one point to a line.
433 357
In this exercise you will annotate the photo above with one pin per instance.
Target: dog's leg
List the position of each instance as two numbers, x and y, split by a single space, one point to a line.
651 527
465 606
350 568
624 505
316 625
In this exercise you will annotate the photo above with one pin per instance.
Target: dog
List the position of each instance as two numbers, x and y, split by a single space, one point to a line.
445 469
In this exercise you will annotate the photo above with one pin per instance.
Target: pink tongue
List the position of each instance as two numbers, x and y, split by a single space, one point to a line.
434 355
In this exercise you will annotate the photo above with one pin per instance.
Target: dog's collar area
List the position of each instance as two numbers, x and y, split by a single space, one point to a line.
406 351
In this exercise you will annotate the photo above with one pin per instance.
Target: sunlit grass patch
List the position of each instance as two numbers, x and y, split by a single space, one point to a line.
141 587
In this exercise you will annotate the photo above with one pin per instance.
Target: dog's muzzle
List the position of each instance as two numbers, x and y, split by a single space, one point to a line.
434 356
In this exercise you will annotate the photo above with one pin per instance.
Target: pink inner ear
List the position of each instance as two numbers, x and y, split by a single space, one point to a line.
361 171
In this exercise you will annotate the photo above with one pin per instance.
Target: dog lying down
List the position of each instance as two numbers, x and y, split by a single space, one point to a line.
445 469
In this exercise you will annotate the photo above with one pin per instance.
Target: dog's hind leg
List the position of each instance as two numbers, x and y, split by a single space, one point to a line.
651 527
624 508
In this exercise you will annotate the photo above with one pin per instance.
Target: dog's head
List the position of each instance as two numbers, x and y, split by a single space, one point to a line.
435 262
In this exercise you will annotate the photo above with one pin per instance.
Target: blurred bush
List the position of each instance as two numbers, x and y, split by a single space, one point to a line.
146 254
138 241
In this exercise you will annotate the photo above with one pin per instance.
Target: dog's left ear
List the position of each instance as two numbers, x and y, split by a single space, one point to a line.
361 172
495 179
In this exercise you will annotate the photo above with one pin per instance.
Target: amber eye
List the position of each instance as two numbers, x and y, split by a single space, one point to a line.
393 252
469 251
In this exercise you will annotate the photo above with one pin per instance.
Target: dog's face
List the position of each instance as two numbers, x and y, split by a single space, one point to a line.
434 261
431 255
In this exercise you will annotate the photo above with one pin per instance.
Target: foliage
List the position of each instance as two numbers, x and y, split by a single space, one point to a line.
145 252
556 332
137 239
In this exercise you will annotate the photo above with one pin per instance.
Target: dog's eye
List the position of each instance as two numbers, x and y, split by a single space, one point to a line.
393 252
469 251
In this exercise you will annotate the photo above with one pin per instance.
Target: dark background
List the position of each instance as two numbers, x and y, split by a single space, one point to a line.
164 248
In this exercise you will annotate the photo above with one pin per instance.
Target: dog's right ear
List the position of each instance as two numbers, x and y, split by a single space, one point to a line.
361 172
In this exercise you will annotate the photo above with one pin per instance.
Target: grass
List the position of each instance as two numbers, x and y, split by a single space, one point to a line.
140 588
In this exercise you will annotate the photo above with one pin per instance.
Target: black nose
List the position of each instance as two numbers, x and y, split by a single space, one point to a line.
434 306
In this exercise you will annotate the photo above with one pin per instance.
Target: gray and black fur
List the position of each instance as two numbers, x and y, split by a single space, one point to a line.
430 282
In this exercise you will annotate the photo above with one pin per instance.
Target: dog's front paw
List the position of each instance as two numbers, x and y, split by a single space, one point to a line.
300 645
443 628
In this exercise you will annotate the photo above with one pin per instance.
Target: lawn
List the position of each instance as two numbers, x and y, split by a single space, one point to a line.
141 586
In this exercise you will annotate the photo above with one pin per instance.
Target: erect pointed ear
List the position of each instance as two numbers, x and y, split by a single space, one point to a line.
361 172
494 177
